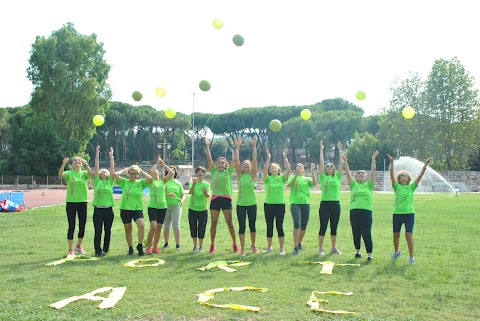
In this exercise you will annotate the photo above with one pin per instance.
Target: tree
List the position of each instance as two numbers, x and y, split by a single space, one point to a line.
36 148
453 103
69 75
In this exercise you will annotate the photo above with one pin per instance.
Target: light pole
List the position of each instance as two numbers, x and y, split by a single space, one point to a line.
193 128
164 146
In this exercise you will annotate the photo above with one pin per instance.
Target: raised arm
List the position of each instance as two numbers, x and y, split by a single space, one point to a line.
287 165
419 177
374 167
112 161
87 166
392 172
340 154
209 155
266 166
322 161
170 172
347 169
120 172
236 156
148 178
314 179
61 171
97 162
254 158
294 179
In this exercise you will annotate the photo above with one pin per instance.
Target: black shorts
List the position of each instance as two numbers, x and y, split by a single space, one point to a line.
400 219
221 203
129 215
157 214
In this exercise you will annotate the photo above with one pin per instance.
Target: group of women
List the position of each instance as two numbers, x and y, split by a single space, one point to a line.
167 197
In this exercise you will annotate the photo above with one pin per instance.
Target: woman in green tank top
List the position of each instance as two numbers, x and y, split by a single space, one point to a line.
157 205
77 198
246 200
102 203
329 211
222 194
403 211
274 207
361 206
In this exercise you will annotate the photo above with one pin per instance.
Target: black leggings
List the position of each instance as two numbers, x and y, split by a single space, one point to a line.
242 212
329 211
72 210
274 212
102 219
198 223
361 221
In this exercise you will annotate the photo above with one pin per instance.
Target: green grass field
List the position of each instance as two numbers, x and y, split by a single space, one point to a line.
444 284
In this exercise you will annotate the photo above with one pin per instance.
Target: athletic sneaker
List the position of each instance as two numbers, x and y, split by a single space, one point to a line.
369 259
321 253
295 250
254 249
396 255
213 248
156 250
282 252
336 251
79 249
165 246
235 248
411 261
195 249
358 256
130 251
140 249
70 252
148 251
178 248
267 249
200 249
300 246
242 253
100 254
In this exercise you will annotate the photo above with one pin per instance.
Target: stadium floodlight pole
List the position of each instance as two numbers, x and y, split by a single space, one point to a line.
193 129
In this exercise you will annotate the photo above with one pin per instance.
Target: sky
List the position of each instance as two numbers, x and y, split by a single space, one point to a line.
295 52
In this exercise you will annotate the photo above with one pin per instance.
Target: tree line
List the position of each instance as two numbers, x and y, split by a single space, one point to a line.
70 78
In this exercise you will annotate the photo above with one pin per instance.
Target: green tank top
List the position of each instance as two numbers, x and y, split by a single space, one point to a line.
198 201
300 191
361 195
103 192
157 194
132 194
246 190
77 186
331 186
275 189
403 203
222 182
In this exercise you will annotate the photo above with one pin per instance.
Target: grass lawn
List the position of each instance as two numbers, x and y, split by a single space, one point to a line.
444 284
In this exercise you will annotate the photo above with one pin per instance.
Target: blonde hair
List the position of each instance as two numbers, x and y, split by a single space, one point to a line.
222 158
135 168
278 166
404 173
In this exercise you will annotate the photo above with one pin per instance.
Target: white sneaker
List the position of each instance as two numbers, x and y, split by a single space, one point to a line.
336 251
321 253
267 249
200 249
195 249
